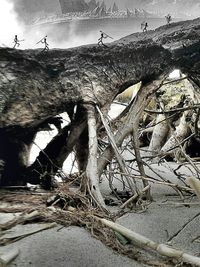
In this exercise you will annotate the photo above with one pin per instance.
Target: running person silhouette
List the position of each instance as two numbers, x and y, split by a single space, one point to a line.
100 40
46 45
168 18
16 41
145 27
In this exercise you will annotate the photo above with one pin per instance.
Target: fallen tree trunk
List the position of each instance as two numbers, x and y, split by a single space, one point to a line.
35 86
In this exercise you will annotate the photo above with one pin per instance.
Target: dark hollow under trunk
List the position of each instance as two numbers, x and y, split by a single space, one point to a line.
15 149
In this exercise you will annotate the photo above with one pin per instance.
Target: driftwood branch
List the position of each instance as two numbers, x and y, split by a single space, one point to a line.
195 185
121 161
8 257
131 120
91 170
144 242
130 200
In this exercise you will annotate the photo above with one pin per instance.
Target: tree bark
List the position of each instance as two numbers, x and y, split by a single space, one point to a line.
35 86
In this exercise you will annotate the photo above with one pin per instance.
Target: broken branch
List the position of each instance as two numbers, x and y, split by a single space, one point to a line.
144 242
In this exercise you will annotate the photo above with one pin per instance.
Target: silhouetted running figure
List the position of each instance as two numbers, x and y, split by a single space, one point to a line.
144 26
168 18
16 41
103 36
46 45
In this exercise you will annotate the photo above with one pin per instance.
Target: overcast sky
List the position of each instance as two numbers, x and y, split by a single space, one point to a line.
174 6
14 15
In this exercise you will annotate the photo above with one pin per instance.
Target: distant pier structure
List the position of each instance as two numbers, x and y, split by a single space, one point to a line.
68 6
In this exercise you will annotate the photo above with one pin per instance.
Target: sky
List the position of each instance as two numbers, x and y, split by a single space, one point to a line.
13 14
25 8
9 24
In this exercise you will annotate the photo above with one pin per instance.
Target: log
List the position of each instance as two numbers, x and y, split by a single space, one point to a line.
35 87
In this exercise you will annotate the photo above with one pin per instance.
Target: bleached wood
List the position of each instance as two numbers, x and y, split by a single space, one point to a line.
91 170
144 242
181 132
9 256
119 157
194 184
159 135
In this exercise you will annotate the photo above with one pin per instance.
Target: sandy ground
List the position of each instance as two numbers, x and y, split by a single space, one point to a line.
165 220
66 247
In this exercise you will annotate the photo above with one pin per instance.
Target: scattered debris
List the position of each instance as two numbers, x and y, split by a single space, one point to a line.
8 257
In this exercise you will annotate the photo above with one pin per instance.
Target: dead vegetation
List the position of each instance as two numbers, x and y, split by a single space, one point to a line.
66 208
158 126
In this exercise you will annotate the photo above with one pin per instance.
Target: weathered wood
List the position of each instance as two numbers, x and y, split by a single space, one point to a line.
159 135
131 120
119 157
194 184
51 159
35 86
91 170
145 242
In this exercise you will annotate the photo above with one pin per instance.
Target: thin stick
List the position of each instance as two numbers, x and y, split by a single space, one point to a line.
177 204
144 190
157 182
172 110
120 160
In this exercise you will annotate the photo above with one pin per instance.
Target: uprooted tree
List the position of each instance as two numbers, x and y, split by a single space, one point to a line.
83 81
